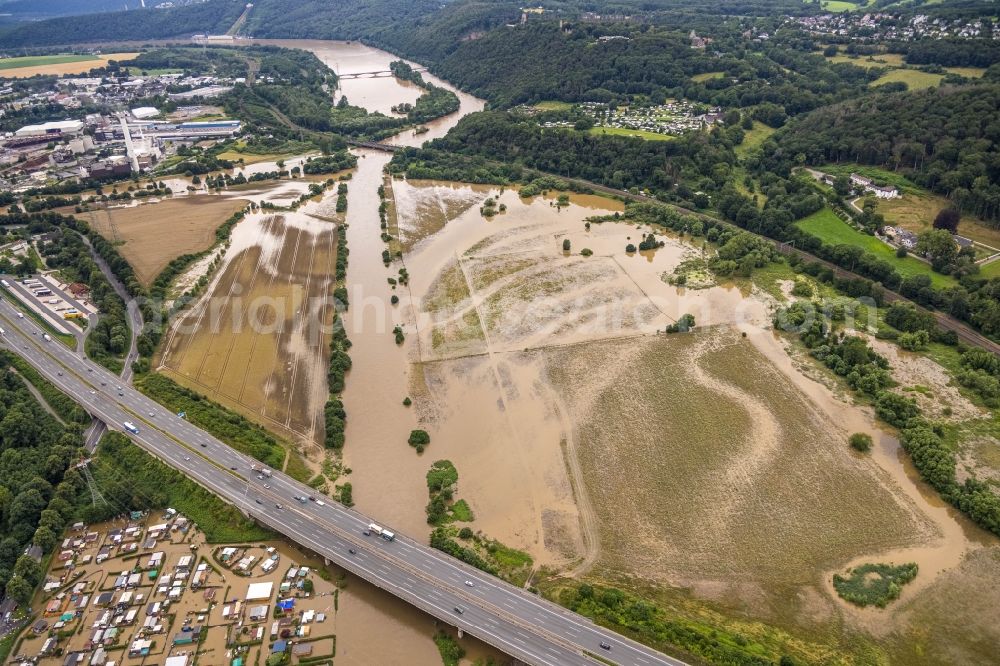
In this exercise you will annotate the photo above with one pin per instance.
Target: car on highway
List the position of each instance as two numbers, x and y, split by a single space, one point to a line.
605 645
459 610
469 583
258 501
93 392
20 315
367 532
267 485
121 394
233 468
152 413
278 506
352 551
59 373
187 457
320 503
205 446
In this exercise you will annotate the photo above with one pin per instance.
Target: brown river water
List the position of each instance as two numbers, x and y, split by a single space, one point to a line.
476 371
489 301
376 415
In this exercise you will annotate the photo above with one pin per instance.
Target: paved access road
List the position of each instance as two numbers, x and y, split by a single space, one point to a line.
502 615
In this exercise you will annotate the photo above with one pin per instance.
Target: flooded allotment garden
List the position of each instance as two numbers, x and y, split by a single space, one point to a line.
149 590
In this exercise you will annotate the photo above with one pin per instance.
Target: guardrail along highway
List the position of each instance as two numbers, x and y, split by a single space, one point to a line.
509 618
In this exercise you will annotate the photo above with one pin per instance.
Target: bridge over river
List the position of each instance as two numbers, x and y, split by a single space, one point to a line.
372 75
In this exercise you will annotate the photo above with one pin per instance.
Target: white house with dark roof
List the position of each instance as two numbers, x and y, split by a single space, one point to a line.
880 191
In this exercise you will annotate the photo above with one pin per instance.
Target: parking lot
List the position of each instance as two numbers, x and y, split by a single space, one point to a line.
51 300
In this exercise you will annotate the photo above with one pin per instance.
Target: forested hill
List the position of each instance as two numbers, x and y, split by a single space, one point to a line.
425 30
946 139
215 16
613 62
414 27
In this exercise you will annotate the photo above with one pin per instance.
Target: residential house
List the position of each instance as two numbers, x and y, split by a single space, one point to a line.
868 185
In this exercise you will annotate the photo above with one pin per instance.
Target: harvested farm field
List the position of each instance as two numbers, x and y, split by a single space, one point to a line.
56 65
257 341
152 234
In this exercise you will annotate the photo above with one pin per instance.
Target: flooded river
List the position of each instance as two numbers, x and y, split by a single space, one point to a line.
492 306
379 379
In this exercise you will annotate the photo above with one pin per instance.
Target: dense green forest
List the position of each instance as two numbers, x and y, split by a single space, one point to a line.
702 159
945 139
951 52
542 60
37 494
215 16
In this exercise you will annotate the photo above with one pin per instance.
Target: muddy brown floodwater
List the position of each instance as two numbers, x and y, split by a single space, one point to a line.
495 305
379 380
496 313
383 92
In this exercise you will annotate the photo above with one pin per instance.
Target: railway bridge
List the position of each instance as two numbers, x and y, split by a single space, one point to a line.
373 75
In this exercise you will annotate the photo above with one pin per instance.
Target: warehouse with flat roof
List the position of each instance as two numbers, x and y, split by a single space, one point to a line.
54 128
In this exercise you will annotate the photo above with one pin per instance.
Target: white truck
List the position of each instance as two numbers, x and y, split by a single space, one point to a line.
128 425
46 337
381 531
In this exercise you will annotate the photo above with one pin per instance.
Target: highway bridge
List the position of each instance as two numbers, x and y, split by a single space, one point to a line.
524 626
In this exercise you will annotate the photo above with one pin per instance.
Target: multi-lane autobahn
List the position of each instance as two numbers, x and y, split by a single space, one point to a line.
502 615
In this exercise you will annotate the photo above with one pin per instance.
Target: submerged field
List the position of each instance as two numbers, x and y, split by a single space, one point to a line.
257 340
708 469
153 234
705 471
